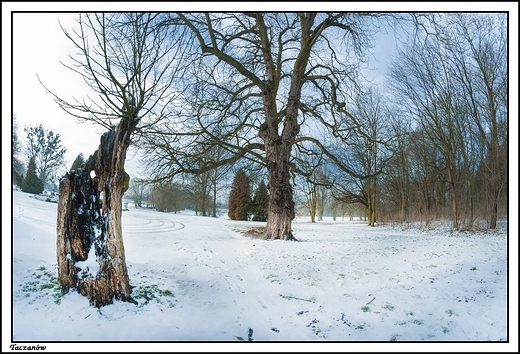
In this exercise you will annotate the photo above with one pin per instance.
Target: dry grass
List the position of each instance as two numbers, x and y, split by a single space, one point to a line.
256 232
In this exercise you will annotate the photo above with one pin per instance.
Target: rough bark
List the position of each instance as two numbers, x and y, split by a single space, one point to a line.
83 223
77 213
280 212
494 174
312 202
278 149
372 212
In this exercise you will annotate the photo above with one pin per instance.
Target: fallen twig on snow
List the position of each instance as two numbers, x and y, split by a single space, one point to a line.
294 297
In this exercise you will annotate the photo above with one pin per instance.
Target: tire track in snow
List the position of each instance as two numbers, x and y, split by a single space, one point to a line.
153 226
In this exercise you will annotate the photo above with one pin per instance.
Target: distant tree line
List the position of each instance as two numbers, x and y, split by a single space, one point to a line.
434 145
178 196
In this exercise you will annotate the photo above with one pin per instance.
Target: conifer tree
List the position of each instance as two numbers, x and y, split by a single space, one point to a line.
31 183
260 203
240 197
78 162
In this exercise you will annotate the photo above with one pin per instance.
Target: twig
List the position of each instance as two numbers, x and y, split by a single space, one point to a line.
296 298
368 303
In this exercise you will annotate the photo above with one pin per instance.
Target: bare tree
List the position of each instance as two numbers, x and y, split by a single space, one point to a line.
204 186
396 179
257 79
169 197
217 175
308 182
368 149
138 191
200 187
315 187
422 76
426 176
480 64
323 186
129 64
309 190
453 80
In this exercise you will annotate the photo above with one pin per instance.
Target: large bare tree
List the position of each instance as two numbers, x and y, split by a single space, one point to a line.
129 63
256 81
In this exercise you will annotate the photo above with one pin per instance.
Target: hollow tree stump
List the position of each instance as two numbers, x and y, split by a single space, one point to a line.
89 222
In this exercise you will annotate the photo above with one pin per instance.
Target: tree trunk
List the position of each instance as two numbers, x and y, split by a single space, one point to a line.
372 213
402 206
215 199
469 202
371 195
83 224
280 212
311 201
321 203
494 179
494 214
454 210
312 214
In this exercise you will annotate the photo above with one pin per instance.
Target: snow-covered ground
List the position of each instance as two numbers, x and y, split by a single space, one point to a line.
200 279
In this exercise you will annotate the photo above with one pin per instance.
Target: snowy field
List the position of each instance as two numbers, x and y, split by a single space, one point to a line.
200 279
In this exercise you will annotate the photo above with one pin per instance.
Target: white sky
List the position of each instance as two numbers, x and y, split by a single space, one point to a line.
38 53
38 45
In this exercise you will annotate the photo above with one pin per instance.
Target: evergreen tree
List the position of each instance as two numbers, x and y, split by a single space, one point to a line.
31 183
78 162
16 145
260 203
240 197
